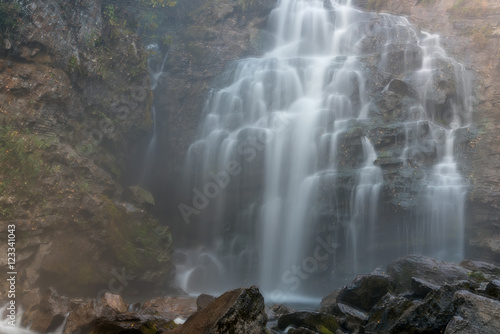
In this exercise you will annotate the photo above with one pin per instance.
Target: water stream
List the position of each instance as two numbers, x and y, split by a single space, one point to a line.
286 185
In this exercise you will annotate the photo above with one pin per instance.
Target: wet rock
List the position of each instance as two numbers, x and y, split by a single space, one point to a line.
114 302
480 266
313 321
352 319
475 314
425 268
301 330
276 311
421 288
386 313
428 316
456 325
49 314
240 311
493 289
130 323
203 301
170 307
365 291
328 301
139 196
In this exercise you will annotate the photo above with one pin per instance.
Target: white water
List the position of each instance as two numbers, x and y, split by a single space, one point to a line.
156 70
283 118
7 328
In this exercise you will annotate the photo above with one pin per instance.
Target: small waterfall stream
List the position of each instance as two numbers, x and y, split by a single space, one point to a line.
287 176
8 326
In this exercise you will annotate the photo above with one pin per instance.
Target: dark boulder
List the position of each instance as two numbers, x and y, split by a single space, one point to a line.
365 291
170 307
493 289
352 319
239 311
428 269
428 316
313 321
386 313
329 301
203 301
276 311
480 266
132 323
420 288
474 314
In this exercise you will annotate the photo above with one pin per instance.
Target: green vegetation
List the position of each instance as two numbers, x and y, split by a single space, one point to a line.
477 276
480 35
10 12
137 15
136 244
376 4
21 156
467 9
22 165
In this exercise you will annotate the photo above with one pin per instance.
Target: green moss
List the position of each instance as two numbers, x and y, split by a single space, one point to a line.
10 13
323 330
21 154
477 276
136 244
376 4
466 9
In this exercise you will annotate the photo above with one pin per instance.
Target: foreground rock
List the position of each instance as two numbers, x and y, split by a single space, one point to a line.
418 295
240 311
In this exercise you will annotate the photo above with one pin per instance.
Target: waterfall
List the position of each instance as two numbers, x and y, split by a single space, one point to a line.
285 179
156 65
15 327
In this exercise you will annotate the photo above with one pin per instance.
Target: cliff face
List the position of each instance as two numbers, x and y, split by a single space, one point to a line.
471 34
208 38
74 92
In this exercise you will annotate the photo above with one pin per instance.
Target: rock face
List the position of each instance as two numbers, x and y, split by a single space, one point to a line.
239 311
74 93
429 297
470 33
213 35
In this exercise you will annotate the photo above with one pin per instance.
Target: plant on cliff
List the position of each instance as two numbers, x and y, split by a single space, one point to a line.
467 9
10 12
22 164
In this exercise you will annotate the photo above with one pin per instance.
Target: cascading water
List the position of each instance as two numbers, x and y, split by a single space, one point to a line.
288 173
8 326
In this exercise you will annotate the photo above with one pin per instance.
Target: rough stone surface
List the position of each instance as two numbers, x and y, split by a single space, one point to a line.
475 314
239 311
425 268
130 323
313 321
170 307
61 96
469 32
203 301
365 291
115 302
386 313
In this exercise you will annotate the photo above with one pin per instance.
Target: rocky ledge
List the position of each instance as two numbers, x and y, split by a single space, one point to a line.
414 294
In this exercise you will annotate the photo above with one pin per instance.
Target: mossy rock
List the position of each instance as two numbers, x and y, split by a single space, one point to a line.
139 196
315 321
